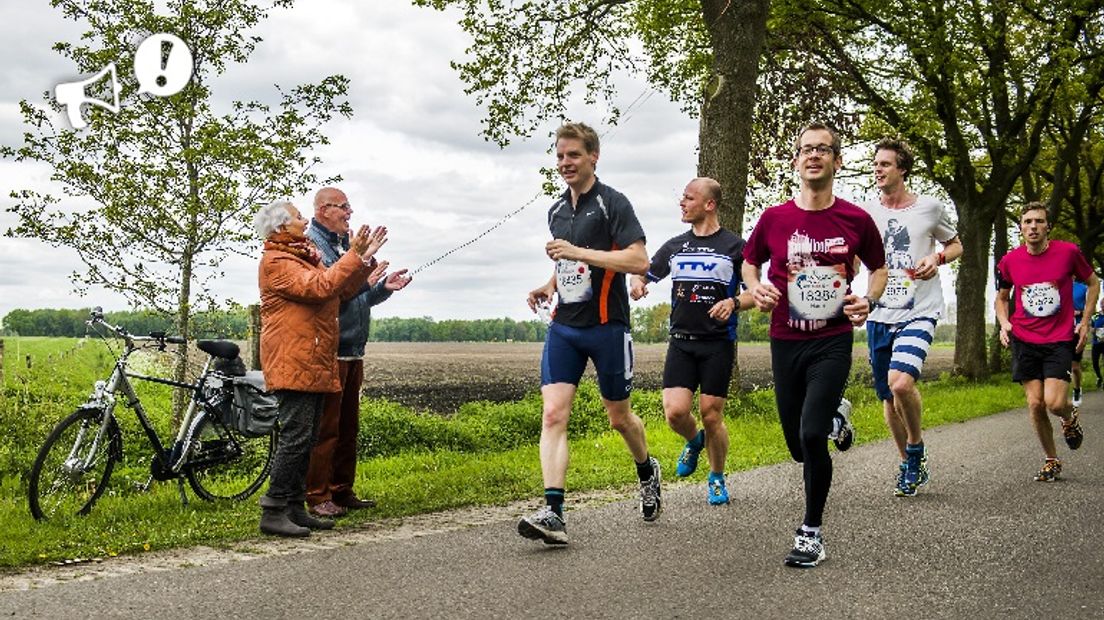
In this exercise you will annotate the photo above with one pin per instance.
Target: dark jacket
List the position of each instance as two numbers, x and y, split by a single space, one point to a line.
355 315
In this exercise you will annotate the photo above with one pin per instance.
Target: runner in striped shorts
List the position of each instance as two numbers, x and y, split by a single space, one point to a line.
900 330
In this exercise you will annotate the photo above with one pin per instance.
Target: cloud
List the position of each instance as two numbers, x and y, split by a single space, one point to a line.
411 157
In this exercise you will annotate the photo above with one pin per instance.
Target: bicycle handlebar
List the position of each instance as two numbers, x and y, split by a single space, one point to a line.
96 317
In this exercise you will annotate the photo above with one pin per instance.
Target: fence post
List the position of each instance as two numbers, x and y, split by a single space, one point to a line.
255 336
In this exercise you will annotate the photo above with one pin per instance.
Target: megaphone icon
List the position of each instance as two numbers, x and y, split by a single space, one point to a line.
72 96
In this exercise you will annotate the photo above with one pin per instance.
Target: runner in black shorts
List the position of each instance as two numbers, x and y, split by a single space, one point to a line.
1042 271
811 243
596 240
704 264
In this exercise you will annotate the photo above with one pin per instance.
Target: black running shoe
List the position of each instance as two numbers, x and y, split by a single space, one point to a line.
808 550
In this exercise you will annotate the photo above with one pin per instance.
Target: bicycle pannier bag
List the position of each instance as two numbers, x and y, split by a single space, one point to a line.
233 368
255 411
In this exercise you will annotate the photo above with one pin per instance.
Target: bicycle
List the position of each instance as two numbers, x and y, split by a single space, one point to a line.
74 464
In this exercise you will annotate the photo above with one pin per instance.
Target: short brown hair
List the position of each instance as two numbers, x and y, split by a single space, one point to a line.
837 145
1034 206
581 132
905 158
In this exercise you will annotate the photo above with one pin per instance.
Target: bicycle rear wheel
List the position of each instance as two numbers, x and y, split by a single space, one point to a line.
224 464
73 466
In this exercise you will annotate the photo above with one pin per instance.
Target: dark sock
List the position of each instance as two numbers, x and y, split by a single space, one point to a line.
644 470
698 442
916 448
555 500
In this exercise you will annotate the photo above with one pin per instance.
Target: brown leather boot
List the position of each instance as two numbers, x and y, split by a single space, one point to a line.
299 516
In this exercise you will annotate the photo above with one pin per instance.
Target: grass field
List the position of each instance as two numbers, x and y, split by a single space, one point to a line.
491 458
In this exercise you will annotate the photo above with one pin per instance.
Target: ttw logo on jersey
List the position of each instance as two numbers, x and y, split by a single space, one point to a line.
693 249
711 267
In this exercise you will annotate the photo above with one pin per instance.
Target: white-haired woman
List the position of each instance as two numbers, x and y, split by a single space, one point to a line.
299 305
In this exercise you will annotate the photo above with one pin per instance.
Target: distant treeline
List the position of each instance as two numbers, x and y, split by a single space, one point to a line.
230 324
234 325
649 325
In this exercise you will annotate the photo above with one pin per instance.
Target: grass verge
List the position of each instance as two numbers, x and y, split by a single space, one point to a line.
127 522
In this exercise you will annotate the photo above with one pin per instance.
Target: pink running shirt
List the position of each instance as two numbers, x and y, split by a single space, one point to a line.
1042 290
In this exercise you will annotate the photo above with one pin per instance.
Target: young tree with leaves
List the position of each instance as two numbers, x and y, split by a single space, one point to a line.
174 182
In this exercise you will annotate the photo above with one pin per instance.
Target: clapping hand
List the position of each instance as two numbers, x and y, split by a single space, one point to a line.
397 281
366 243
378 272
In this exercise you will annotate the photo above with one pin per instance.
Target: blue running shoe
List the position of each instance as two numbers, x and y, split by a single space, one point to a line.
688 460
718 494
914 472
900 489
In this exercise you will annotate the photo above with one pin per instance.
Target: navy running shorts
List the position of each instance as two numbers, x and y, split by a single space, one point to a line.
567 349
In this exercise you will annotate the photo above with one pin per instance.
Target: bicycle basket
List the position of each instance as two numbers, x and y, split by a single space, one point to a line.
255 411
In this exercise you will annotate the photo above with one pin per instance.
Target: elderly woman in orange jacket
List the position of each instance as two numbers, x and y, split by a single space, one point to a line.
299 305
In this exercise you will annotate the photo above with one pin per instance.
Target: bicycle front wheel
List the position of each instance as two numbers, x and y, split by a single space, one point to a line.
224 464
73 466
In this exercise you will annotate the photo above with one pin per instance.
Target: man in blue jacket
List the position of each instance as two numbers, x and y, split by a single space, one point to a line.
334 457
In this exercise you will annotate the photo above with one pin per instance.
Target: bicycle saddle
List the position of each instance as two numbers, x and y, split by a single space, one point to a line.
219 348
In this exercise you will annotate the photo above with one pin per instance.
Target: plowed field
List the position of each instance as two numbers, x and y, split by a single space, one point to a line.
442 376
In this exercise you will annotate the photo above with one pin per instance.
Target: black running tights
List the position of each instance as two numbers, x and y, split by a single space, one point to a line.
809 378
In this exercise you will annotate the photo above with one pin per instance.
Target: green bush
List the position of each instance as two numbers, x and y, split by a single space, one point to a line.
388 428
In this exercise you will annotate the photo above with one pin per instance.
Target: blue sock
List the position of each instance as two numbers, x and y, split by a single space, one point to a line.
716 476
554 498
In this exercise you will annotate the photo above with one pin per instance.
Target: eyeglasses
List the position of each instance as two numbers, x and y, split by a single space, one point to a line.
819 149
344 207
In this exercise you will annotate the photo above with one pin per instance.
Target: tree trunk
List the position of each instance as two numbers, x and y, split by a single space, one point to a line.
183 327
1000 248
255 336
973 276
737 30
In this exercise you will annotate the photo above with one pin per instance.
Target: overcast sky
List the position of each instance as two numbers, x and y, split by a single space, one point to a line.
411 156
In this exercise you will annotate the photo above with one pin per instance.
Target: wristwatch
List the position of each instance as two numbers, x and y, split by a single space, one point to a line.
874 303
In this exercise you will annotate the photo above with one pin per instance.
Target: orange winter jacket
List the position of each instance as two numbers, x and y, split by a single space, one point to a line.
299 330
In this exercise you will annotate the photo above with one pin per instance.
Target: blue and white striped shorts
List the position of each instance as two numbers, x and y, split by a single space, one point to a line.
898 346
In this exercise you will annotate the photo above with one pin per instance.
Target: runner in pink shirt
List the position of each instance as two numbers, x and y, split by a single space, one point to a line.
1042 271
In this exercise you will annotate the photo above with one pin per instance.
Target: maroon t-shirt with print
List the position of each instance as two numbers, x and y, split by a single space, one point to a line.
812 256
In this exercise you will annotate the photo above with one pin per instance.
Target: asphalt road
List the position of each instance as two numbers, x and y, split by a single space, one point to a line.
982 540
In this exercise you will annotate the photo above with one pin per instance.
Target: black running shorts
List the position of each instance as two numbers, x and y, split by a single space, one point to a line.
699 363
1038 362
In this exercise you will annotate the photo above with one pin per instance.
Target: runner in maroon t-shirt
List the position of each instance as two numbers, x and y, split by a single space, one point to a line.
812 242
1042 272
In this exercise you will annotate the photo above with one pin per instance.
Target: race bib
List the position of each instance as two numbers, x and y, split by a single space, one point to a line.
1099 333
816 293
573 281
900 290
1041 300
